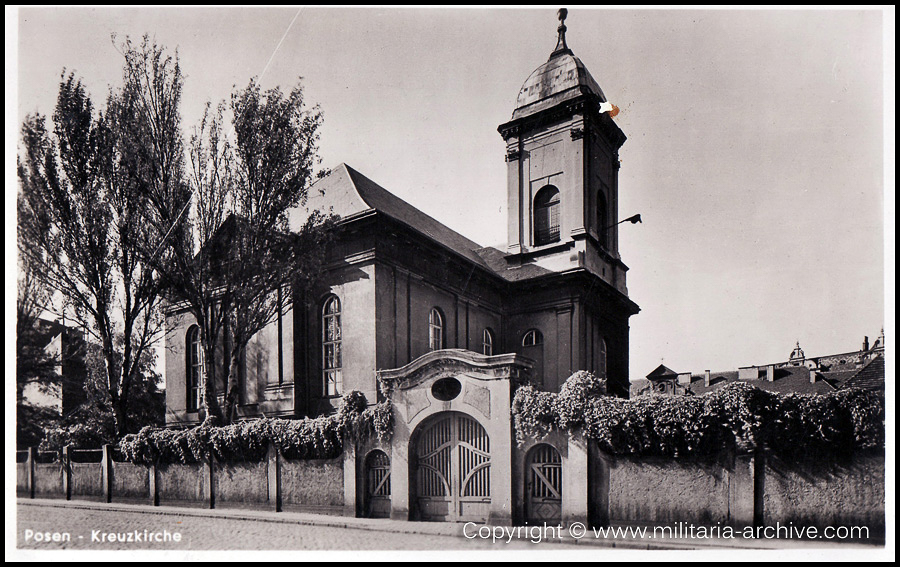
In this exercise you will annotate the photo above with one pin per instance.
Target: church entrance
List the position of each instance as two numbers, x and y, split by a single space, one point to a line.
452 469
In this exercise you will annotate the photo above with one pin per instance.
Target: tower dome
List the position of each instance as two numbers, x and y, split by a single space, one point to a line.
562 77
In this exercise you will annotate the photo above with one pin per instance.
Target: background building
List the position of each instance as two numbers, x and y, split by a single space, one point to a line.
863 368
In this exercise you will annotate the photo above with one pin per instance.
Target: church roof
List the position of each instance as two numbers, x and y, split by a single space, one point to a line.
347 192
561 78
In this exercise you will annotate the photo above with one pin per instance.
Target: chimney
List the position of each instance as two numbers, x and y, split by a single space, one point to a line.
706 379
865 343
812 377
770 373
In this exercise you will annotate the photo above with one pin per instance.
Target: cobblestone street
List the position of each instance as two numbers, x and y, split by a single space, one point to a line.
213 533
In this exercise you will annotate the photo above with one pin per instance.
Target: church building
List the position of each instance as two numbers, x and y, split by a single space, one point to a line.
446 328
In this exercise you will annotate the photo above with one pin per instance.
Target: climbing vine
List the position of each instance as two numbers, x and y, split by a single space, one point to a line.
309 438
738 416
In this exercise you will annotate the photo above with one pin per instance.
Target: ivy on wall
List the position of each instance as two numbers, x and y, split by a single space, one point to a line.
738 416
318 438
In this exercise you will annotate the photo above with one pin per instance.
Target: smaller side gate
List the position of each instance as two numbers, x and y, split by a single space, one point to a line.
378 485
543 485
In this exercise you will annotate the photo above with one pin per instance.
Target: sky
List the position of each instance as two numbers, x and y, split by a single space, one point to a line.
755 151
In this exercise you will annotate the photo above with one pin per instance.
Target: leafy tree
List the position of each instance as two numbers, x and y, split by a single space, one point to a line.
93 423
234 262
85 188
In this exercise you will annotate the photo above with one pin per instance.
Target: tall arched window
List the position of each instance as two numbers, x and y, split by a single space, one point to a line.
194 368
533 348
602 220
546 216
487 343
435 330
332 376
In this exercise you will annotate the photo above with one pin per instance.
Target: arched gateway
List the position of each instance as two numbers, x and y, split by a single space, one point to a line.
451 469
452 445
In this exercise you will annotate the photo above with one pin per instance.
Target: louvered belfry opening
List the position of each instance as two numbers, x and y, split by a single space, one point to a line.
546 216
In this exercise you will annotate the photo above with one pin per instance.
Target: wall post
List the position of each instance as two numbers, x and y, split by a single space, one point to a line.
273 470
153 473
574 502
759 488
67 471
32 458
106 472
741 499
349 462
211 470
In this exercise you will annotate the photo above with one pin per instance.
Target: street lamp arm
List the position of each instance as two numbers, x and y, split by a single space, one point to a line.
634 219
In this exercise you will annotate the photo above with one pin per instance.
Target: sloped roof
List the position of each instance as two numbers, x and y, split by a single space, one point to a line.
869 377
837 377
496 260
795 379
347 192
662 371
716 380
788 379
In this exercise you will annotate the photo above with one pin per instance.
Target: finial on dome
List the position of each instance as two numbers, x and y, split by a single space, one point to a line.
561 46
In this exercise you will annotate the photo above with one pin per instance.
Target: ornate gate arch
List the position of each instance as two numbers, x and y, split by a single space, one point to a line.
451 469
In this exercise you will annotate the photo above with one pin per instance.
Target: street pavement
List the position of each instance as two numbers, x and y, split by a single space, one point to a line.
91 526
199 529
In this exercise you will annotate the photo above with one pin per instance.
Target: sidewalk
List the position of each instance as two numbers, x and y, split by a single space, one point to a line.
454 529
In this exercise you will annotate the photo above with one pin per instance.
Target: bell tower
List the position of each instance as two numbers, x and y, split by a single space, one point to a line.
562 154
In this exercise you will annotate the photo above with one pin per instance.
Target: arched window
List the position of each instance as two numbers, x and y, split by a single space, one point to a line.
533 348
194 367
546 216
435 330
602 220
532 338
487 343
332 377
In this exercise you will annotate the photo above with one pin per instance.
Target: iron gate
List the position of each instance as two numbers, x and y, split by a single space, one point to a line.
378 485
543 485
453 470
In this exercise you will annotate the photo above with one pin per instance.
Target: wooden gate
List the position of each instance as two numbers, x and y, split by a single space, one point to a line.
543 485
453 469
378 485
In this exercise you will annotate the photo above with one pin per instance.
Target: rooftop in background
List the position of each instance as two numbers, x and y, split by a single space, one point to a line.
857 369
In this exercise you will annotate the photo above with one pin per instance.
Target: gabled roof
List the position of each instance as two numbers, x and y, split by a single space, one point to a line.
662 371
346 192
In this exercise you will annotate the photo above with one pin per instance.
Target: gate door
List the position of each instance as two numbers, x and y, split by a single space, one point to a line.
543 485
453 468
378 485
